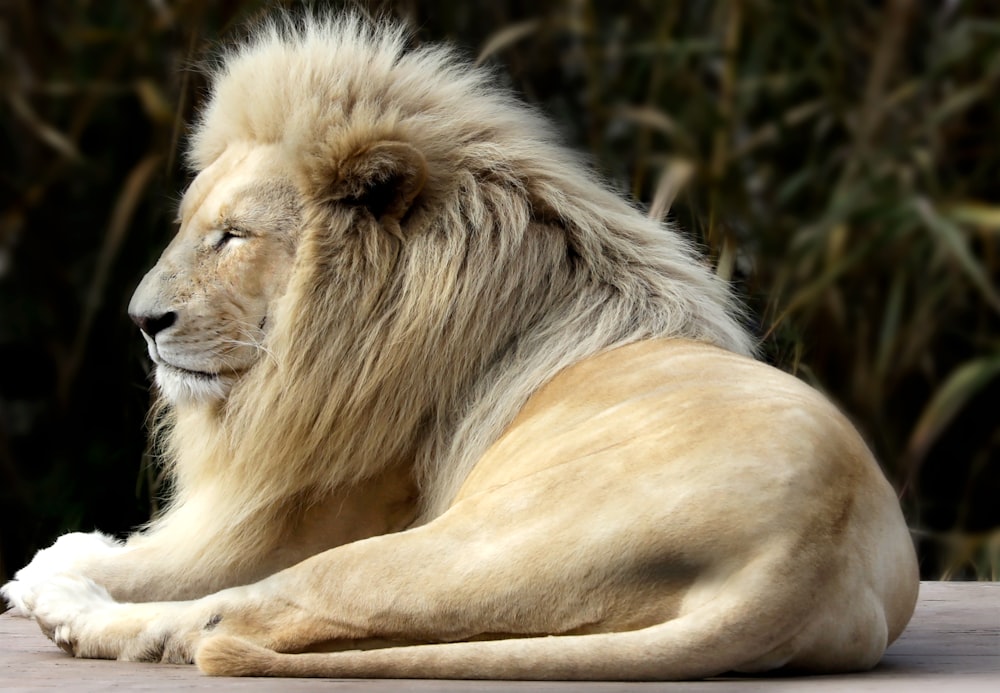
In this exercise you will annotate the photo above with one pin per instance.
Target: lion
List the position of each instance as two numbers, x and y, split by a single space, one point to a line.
429 389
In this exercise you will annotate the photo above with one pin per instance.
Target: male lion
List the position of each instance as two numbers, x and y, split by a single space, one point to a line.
432 391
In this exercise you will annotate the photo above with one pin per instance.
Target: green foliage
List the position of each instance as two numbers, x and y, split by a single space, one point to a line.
837 160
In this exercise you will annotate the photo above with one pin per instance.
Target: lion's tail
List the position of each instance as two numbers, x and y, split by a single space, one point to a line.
560 658
706 642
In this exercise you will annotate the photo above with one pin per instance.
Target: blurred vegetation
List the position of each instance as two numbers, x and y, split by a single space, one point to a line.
838 159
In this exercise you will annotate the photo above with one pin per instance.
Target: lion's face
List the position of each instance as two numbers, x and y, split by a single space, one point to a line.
204 308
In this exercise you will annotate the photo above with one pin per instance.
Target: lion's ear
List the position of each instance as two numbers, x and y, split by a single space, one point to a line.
384 178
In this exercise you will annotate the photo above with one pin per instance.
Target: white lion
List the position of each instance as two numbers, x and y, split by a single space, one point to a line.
430 390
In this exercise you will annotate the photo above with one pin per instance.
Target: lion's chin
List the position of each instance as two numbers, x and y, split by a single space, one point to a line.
180 386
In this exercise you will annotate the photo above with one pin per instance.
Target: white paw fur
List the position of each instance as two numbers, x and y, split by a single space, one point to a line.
66 556
83 619
69 607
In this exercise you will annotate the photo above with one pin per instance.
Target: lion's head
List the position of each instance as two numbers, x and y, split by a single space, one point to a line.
382 256
204 308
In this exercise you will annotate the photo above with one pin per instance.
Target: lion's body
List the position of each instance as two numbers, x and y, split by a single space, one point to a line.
428 381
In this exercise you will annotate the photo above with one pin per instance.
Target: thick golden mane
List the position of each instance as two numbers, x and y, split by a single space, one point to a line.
417 344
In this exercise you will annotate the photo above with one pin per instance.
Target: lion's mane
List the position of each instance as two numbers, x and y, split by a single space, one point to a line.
416 347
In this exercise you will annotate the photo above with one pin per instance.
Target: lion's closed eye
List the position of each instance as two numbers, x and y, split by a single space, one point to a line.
229 234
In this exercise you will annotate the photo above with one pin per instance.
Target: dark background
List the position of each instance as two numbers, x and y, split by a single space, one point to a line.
837 159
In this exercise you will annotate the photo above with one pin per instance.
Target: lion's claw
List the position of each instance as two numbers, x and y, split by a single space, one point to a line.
62 637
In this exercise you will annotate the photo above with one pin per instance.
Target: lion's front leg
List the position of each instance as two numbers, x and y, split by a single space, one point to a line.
82 618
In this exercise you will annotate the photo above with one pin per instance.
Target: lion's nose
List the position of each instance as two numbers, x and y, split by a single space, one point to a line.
151 324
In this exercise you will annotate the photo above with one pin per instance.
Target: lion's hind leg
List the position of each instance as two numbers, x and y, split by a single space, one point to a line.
469 574
746 630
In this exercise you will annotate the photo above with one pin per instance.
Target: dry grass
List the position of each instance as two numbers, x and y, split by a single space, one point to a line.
837 159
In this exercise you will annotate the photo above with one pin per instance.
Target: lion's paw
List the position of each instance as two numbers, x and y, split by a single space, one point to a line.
68 608
83 619
65 604
66 555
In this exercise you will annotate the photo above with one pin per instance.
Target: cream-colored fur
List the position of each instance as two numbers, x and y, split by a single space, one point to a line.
429 388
